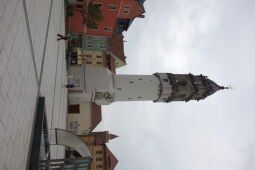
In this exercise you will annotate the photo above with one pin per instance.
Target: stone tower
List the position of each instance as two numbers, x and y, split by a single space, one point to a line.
99 85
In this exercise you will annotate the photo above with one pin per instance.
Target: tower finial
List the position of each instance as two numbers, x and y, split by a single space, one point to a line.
228 87
112 136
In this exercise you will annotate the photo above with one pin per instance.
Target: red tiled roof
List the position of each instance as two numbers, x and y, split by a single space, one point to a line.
116 46
139 10
96 115
111 160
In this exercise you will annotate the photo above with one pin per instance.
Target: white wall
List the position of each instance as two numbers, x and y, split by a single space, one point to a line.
83 119
136 87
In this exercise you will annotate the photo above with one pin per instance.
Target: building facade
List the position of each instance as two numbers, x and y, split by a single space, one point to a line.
83 118
103 87
117 16
103 158
99 51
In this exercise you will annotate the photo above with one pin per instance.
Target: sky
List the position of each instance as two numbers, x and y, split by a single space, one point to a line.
210 37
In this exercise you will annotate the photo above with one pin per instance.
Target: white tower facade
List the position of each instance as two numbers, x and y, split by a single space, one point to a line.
136 87
99 85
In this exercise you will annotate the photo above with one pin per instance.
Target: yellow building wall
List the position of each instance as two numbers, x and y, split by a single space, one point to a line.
83 119
97 152
98 157
94 58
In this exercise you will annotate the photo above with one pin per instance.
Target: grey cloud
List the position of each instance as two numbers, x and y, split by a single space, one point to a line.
215 38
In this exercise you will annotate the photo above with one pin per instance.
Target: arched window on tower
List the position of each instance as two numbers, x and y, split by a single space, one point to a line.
165 80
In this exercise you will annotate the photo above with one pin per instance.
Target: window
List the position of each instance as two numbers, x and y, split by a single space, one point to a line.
88 62
99 63
74 59
79 6
131 82
108 29
99 159
126 6
98 56
165 80
79 0
139 97
88 56
112 6
90 44
99 166
98 4
118 88
89 37
99 152
125 11
101 38
74 108
93 27
129 98
102 44
181 83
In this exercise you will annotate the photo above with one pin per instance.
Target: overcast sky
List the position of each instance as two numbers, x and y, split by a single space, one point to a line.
212 37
